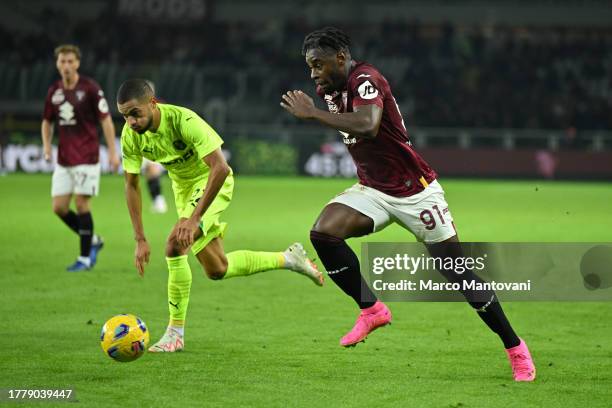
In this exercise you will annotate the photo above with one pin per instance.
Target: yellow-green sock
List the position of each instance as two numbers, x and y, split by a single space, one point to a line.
179 285
244 263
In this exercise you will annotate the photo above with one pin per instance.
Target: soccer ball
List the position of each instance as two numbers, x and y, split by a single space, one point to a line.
124 337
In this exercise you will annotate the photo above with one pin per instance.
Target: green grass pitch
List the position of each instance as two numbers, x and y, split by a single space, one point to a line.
271 340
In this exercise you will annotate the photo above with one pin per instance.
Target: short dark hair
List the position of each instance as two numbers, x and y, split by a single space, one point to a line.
66 49
136 88
327 38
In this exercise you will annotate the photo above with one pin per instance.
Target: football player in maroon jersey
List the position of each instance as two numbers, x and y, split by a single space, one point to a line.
395 185
76 104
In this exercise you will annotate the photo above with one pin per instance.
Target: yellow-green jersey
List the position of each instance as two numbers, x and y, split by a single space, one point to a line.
180 142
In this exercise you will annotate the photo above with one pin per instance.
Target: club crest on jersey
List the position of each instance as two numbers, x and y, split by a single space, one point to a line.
179 145
66 114
367 90
331 105
333 108
57 97
80 95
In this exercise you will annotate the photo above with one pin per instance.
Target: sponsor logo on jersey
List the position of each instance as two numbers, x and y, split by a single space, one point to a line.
347 139
182 159
80 95
66 114
334 108
58 97
367 91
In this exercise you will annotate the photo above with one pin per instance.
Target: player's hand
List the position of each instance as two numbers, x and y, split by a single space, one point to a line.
298 104
186 232
141 255
113 161
47 153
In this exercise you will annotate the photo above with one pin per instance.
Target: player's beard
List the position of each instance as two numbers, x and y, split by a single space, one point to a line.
336 82
147 126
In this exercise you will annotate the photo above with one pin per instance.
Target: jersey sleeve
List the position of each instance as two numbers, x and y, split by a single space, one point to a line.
200 134
367 89
49 112
131 156
100 105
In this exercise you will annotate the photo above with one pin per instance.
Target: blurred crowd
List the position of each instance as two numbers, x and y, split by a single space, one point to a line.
442 75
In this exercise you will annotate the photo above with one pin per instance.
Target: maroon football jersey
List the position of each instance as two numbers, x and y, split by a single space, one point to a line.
77 113
387 162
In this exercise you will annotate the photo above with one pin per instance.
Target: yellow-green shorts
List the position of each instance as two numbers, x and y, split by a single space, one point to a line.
186 200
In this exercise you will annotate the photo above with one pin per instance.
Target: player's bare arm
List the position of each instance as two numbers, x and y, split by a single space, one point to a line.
134 203
363 122
46 130
108 128
219 170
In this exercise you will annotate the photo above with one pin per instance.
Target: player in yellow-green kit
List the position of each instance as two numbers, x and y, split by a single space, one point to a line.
202 182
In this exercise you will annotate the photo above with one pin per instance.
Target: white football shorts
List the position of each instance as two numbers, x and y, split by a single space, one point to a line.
425 214
82 179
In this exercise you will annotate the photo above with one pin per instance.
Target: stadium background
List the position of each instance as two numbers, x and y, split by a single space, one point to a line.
511 101
505 88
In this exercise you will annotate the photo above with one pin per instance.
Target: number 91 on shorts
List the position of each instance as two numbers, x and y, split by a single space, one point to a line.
426 214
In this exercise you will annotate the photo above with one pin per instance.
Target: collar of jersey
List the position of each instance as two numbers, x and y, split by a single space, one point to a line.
161 120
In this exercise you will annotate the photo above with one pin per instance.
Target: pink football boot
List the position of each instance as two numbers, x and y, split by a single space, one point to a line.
521 362
369 320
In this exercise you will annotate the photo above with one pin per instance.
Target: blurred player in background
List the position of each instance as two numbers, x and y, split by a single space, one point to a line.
153 172
203 184
395 185
76 104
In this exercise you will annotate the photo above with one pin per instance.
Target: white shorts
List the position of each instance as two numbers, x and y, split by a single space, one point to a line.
83 179
425 214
